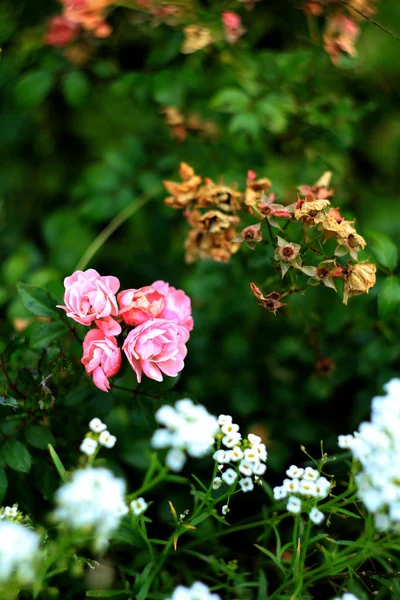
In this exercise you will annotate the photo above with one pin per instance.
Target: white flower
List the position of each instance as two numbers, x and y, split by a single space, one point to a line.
225 509
221 456
246 468
251 455
97 426
346 596
294 472
229 476
316 516
217 482
246 484
230 429
224 419
189 428
231 440
322 487
198 591
259 469
88 446
307 488
19 550
345 441
175 460
10 511
291 485
294 505
279 492
138 506
310 474
93 500
107 440
254 439
237 453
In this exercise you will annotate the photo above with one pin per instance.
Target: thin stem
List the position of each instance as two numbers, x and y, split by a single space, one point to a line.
10 382
367 18
137 392
113 225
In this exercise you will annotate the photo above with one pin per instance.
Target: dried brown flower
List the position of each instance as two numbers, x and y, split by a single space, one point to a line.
196 38
272 302
310 211
251 235
358 279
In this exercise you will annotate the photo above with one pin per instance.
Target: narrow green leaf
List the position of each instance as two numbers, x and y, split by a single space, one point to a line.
105 593
37 300
385 251
58 464
389 297
39 436
272 556
47 334
17 456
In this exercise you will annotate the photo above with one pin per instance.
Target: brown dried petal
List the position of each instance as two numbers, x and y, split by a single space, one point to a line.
359 279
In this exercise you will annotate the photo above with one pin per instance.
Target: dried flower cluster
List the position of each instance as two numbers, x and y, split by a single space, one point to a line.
160 317
214 212
181 125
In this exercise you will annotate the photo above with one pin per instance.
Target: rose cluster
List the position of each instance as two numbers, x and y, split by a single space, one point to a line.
159 314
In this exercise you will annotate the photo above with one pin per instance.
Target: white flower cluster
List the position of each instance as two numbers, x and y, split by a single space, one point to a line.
376 445
247 457
93 500
9 512
188 428
303 482
346 596
198 591
90 443
19 549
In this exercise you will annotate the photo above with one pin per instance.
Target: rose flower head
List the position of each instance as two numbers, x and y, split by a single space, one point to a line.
90 297
155 348
177 305
138 306
358 279
271 302
251 235
101 357
288 254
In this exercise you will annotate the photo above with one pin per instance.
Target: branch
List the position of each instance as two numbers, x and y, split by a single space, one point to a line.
367 18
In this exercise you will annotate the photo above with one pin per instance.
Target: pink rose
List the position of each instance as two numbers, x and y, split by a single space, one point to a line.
177 306
61 31
138 306
156 347
90 297
101 357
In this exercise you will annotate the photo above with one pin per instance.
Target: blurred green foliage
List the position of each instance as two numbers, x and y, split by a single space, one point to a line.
80 143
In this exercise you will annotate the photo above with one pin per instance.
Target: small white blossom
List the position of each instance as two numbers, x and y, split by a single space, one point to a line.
322 487
175 460
291 485
97 426
345 441
231 440
307 488
294 505
221 467
251 455
229 476
161 439
221 456
310 474
19 549
88 446
10 511
246 484
230 429
262 451
224 419
225 509
316 516
107 440
198 591
246 468
346 596
254 439
92 500
259 469
217 482
279 492
237 453
294 472
138 506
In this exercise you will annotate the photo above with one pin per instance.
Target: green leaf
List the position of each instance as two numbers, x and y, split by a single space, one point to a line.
33 88
272 556
17 456
48 333
158 388
12 402
76 88
37 300
39 436
385 251
58 464
389 297
246 122
230 100
105 593
3 484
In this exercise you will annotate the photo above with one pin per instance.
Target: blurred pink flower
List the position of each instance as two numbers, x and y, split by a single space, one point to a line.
156 347
61 31
90 297
101 357
232 25
177 305
138 306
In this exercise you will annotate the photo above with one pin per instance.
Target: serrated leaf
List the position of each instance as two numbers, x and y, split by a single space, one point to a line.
37 300
46 334
389 297
39 436
17 456
384 250
3 484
